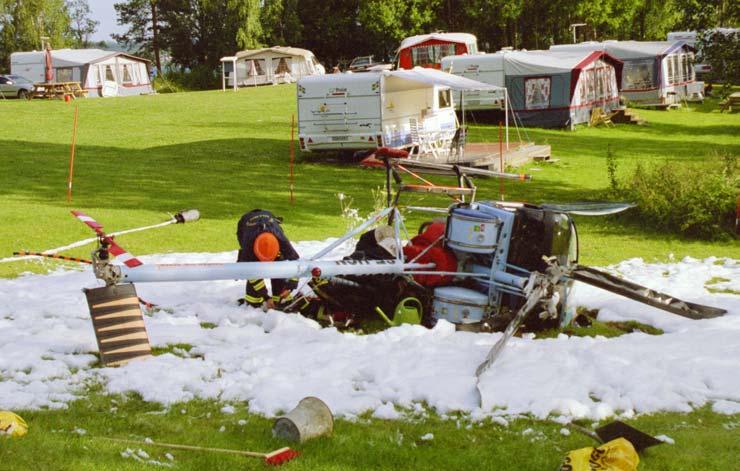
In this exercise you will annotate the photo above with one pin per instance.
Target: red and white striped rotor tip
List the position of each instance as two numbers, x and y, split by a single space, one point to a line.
90 222
115 249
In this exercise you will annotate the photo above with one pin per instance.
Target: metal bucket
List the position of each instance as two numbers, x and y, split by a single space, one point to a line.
309 419
470 230
459 305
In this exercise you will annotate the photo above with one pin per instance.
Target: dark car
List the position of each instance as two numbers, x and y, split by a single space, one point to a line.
361 64
15 86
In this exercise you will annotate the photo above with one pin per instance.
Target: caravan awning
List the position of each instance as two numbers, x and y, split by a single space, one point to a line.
436 77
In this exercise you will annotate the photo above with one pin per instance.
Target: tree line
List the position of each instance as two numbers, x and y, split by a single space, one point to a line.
26 25
197 33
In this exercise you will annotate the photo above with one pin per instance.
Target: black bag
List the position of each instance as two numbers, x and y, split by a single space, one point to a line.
254 223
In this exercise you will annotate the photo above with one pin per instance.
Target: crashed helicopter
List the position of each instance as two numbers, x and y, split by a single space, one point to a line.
502 264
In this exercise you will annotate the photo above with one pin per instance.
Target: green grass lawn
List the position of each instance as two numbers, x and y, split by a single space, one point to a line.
703 440
140 158
225 153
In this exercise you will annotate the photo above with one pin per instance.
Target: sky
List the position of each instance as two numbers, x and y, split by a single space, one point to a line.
103 11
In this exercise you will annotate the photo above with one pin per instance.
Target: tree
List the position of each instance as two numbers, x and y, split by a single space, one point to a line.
24 22
698 15
331 30
142 37
198 32
249 26
388 22
280 23
82 26
722 51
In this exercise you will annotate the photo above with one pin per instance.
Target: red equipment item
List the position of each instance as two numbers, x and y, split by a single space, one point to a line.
444 259
391 153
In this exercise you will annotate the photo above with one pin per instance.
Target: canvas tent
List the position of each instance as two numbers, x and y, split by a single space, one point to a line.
99 72
546 88
427 50
655 72
270 65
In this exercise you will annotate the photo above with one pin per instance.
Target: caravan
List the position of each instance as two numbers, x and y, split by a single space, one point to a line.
654 72
268 66
546 88
402 108
101 73
427 50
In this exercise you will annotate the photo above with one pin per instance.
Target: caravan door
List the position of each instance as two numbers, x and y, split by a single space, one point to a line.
339 112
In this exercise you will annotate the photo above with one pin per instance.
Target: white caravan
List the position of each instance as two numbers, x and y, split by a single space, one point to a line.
101 73
375 109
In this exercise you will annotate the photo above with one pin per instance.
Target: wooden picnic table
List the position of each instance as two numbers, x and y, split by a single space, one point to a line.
731 103
50 90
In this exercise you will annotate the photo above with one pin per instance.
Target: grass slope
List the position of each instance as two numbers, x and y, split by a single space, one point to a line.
225 153
139 158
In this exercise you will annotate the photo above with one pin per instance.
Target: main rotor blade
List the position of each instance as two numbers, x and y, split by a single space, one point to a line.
88 221
589 209
434 168
644 295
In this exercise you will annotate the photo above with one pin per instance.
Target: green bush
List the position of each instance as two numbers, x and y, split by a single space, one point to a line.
164 85
200 77
696 200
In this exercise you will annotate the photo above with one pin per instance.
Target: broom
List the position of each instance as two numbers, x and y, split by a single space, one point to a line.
274 458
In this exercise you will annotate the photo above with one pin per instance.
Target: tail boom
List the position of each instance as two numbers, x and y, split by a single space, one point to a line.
248 270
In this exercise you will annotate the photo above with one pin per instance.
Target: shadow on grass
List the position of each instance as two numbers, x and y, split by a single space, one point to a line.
225 178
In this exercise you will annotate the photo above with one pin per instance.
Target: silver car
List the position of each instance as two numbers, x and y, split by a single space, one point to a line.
15 86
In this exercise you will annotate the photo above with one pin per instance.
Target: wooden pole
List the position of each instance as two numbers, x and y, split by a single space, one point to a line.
501 160
292 157
72 156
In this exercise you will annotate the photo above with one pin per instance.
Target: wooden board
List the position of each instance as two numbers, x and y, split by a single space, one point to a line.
118 323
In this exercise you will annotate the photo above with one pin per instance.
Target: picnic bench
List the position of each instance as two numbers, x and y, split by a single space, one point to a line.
731 103
50 90
599 116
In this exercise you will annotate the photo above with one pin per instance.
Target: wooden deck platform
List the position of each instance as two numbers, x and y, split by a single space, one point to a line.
487 155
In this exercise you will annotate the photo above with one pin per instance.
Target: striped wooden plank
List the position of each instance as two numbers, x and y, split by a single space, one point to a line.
118 323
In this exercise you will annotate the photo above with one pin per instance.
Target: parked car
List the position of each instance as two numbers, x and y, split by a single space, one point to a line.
15 86
361 64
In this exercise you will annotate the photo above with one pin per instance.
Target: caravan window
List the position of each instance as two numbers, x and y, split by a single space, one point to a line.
685 67
64 74
282 66
255 67
109 74
429 55
537 93
637 75
676 68
126 73
444 99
